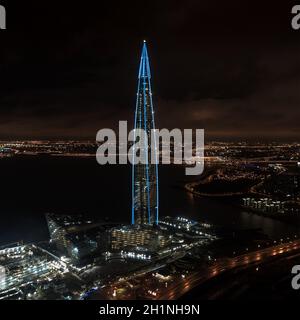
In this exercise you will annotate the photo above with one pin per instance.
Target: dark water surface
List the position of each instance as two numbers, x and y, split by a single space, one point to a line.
32 186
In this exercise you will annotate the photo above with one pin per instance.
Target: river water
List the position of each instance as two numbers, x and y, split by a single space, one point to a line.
32 186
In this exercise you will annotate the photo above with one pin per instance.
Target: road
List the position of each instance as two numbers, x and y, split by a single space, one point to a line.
180 287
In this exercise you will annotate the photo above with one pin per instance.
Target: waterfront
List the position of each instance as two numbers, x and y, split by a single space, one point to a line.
32 186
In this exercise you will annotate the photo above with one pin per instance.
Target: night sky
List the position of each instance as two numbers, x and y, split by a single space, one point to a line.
230 67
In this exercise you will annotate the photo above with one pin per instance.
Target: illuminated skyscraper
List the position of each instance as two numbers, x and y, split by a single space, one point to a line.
144 176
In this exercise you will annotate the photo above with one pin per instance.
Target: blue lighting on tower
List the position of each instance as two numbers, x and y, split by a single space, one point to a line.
145 176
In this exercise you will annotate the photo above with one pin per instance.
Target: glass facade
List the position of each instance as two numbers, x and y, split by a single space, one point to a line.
144 175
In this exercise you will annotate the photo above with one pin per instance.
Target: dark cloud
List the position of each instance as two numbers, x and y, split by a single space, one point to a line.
231 67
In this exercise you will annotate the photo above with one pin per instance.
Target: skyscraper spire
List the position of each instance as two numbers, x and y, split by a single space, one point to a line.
144 65
144 176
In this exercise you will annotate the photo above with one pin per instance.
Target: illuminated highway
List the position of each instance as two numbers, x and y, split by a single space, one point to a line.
180 287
